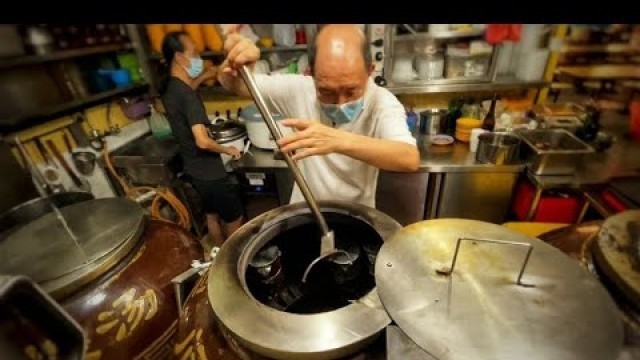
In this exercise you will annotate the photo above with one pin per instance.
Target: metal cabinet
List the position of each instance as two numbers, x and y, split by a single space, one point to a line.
412 197
482 196
402 195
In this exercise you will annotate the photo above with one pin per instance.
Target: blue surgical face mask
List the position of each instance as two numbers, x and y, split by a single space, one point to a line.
196 67
343 113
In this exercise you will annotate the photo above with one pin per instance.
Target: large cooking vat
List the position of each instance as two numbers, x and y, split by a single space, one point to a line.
113 275
457 288
256 304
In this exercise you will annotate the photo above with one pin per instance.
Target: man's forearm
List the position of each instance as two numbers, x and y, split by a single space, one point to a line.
213 146
195 83
384 154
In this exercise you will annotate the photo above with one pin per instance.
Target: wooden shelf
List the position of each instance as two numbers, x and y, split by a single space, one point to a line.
502 83
612 48
27 120
61 55
210 54
442 35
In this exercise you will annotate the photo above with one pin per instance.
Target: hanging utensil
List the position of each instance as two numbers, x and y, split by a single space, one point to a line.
51 171
327 241
38 179
78 133
82 185
83 161
44 154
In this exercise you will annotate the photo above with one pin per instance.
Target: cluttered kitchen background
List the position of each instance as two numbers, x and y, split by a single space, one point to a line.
515 123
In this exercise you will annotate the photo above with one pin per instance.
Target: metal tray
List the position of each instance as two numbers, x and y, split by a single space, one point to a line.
552 151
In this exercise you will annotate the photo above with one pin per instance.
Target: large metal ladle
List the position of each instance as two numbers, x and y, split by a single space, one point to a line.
327 241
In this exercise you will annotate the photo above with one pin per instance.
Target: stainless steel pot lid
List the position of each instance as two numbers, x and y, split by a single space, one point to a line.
479 311
617 252
105 231
228 130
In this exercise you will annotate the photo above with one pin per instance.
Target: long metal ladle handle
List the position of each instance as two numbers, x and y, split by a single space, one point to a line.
247 76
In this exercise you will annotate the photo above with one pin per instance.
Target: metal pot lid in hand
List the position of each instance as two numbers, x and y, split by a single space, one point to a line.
617 253
226 130
480 310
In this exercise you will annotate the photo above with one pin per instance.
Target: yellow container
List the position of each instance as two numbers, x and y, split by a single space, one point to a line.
468 123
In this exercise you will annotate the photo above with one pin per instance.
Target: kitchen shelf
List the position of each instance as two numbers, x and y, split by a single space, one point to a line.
62 55
209 54
27 120
502 83
204 54
441 35
300 47
613 48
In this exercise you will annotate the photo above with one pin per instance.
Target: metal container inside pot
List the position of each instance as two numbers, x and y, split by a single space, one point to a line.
497 148
433 121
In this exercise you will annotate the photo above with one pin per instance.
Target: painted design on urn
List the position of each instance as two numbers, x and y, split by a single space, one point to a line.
191 348
48 350
93 355
128 311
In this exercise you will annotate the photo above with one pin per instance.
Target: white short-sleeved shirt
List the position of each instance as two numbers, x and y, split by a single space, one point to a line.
336 176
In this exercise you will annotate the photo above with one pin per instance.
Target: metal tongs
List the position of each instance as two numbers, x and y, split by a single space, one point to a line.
327 241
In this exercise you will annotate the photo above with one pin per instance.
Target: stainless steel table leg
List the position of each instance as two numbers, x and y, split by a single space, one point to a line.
534 204
583 211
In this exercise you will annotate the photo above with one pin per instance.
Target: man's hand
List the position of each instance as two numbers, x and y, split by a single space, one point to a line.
233 152
240 51
209 73
312 136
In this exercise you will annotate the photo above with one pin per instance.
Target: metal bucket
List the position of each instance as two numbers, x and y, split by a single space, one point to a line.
433 121
497 148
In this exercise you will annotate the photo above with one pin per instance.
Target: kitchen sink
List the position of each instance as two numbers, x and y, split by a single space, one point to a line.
552 151
148 160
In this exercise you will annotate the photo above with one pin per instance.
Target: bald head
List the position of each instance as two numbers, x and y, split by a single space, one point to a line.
341 63
343 45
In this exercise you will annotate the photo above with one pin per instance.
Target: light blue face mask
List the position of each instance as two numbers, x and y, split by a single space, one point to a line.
344 113
196 68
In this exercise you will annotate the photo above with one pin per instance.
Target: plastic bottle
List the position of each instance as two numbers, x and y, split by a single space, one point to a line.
160 127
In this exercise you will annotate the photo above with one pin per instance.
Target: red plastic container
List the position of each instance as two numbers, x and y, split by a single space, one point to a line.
554 206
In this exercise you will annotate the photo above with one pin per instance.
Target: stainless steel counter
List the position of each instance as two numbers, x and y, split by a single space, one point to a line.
450 183
258 159
456 158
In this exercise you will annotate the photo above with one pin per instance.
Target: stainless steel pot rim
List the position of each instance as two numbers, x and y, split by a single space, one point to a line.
286 335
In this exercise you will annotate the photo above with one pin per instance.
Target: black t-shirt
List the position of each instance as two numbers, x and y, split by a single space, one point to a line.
184 110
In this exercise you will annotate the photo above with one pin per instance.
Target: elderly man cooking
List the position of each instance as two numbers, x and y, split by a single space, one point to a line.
347 127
